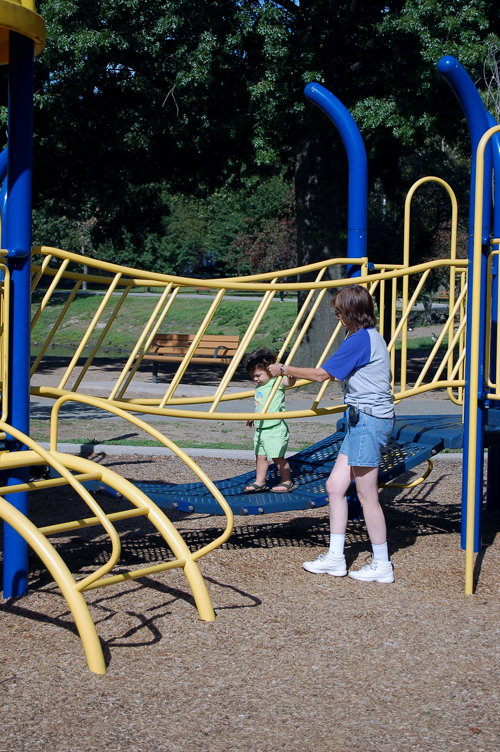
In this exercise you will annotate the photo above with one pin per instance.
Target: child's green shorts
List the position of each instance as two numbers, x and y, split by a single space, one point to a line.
273 441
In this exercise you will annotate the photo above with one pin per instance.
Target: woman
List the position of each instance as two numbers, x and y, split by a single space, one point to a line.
362 361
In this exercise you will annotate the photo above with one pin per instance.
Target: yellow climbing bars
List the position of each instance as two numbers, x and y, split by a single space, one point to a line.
141 505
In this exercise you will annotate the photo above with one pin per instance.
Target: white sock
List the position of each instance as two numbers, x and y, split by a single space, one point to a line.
380 551
336 544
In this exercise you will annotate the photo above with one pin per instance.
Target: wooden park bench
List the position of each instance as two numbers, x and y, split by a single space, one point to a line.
171 348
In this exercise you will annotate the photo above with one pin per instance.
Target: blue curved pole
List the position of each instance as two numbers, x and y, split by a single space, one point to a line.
18 243
478 123
358 168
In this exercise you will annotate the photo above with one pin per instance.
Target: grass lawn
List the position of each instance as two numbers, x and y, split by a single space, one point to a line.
185 316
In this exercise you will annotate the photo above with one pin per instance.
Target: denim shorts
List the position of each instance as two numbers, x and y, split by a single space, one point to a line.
363 443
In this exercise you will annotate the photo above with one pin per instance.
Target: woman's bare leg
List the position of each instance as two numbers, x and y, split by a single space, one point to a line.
367 489
336 486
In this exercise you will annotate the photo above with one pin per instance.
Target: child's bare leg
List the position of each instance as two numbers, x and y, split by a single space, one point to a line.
262 467
284 470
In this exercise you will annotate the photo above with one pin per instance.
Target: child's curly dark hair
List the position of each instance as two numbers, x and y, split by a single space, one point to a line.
260 358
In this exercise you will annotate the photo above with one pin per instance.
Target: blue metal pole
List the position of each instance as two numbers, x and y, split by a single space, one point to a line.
358 168
477 121
495 143
3 196
19 180
493 463
3 164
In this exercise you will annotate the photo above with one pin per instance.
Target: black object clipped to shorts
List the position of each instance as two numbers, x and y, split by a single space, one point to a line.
353 415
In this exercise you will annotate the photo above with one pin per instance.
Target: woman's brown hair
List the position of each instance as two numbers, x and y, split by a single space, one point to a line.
355 305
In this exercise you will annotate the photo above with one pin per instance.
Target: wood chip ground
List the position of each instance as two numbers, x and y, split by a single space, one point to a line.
293 662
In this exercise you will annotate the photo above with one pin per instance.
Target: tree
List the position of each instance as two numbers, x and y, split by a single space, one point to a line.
144 99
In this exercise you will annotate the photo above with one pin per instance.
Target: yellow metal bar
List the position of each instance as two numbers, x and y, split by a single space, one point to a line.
64 527
406 312
101 339
153 279
40 271
89 331
5 340
463 314
192 348
295 347
413 483
299 317
436 347
427 388
404 331
48 457
135 574
487 343
392 350
149 409
48 294
157 518
138 345
245 341
109 407
381 311
460 360
62 576
34 485
54 329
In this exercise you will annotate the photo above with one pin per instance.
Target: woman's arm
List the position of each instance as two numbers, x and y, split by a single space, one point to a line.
311 374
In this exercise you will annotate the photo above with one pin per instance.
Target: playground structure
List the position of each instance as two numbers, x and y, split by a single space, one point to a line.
465 350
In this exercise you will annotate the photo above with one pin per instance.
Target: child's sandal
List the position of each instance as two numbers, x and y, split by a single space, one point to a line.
255 488
287 485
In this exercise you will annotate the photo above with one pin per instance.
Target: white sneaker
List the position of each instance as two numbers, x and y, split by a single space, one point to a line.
375 571
327 564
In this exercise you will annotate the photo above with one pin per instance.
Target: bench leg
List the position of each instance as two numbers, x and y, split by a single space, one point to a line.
155 372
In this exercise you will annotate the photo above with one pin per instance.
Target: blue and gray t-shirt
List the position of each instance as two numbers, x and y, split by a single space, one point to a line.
363 363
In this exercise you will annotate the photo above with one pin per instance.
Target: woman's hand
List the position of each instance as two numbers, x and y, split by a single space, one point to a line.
274 369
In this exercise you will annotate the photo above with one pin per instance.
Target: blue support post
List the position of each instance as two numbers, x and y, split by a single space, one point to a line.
18 242
493 462
358 168
3 195
478 122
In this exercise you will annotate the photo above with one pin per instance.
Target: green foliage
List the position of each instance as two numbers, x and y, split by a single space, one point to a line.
169 124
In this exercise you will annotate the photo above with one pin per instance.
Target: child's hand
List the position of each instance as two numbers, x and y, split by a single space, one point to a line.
250 423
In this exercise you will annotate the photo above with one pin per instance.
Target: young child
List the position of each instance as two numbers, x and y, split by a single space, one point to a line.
362 361
271 436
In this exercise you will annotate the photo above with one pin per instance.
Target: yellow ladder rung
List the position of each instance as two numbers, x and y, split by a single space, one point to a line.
126 514
135 574
33 485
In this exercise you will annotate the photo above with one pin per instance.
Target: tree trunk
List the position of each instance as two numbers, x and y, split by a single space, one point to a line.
321 176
